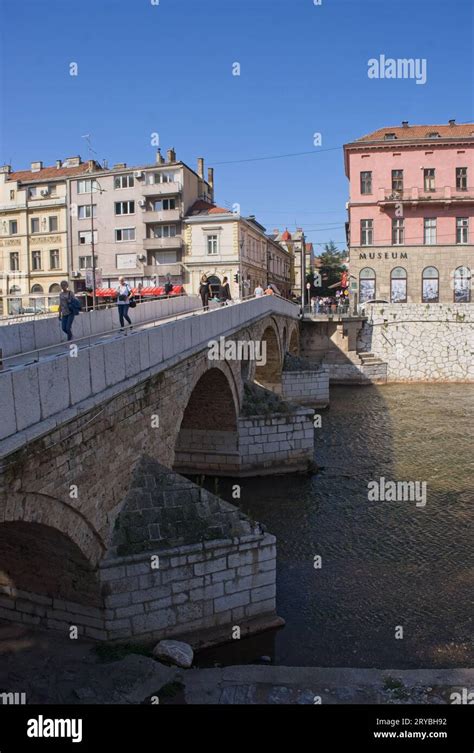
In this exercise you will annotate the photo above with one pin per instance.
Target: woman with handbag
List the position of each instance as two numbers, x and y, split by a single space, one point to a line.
204 291
124 298
69 306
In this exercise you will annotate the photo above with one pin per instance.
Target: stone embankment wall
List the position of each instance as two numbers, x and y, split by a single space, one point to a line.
421 342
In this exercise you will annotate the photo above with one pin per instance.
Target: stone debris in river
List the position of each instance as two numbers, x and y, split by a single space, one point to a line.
174 652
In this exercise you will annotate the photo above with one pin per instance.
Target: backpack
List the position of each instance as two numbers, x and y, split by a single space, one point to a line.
75 305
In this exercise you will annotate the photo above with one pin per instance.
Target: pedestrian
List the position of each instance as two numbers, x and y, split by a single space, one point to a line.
269 290
123 302
258 292
168 287
224 292
68 307
204 291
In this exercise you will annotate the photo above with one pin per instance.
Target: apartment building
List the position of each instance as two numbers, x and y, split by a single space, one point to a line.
132 217
410 227
292 242
33 233
221 243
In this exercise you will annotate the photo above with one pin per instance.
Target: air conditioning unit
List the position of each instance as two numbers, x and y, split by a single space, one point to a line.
138 174
141 257
45 192
142 203
76 273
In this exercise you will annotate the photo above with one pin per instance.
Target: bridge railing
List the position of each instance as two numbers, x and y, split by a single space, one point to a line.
48 392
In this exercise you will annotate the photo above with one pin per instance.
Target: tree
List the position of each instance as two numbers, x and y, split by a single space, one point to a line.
331 269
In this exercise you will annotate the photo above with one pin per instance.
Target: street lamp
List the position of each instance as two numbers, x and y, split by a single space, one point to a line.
94 185
241 243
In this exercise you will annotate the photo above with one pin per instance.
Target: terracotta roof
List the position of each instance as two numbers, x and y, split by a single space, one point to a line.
286 236
48 173
204 207
461 130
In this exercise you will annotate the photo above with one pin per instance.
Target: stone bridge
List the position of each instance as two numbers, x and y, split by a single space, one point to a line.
96 530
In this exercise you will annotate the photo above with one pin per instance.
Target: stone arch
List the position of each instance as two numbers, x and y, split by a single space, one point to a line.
207 439
40 560
268 374
294 342
54 513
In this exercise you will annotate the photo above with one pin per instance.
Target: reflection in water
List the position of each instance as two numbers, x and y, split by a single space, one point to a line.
384 564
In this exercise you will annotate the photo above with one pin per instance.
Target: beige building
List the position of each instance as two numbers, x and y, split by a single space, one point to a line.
221 243
292 242
133 217
33 234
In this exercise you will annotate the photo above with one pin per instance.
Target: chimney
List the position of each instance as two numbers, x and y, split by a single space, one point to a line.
275 231
36 167
58 164
159 157
200 170
452 122
90 165
210 180
171 154
6 169
405 123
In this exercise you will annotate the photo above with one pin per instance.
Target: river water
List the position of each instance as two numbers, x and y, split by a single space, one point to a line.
385 565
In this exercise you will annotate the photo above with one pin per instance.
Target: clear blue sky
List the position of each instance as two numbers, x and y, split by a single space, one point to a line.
167 68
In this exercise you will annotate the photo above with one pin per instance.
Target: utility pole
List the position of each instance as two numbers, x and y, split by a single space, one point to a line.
241 285
303 275
94 300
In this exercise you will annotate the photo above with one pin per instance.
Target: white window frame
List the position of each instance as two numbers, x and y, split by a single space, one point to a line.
120 230
85 185
127 179
126 205
429 231
462 230
398 231
55 251
86 214
367 232
53 217
86 234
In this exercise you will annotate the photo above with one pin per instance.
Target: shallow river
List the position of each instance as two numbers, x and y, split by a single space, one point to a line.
385 565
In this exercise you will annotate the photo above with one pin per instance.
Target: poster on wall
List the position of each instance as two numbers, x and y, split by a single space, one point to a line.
430 290
366 290
399 291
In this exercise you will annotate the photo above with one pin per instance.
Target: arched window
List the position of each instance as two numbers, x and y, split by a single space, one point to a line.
37 304
214 283
54 291
55 288
37 289
462 285
398 285
430 285
366 284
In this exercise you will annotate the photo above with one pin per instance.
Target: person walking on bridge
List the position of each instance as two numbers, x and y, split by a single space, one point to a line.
123 302
68 307
204 291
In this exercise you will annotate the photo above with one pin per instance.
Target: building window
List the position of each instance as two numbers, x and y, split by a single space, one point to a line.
212 245
32 192
398 285
13 227
85 262
125 234
87 186
430 285
164 231
35 225
462 229
124 207
366 284
462 285
366 232
14 261
164 205
398 231
85 237
36 260
366 182
429 231
123 181
54 258
397 181
84 211
37 289
163 177
461 179
12 195
390 136
53 224
429 179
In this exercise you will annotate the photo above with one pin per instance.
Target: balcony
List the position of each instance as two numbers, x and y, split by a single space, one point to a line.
161 189
161 270
416 196
154 244
166 215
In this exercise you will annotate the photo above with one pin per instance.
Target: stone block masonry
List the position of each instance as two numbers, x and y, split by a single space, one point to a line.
275 443
421 342
307 387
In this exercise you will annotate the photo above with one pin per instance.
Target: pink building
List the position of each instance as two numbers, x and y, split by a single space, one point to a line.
411 213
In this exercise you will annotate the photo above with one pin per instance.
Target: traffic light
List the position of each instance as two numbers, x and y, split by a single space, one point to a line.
236 277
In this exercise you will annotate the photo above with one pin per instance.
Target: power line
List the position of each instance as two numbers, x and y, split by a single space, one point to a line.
277 156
